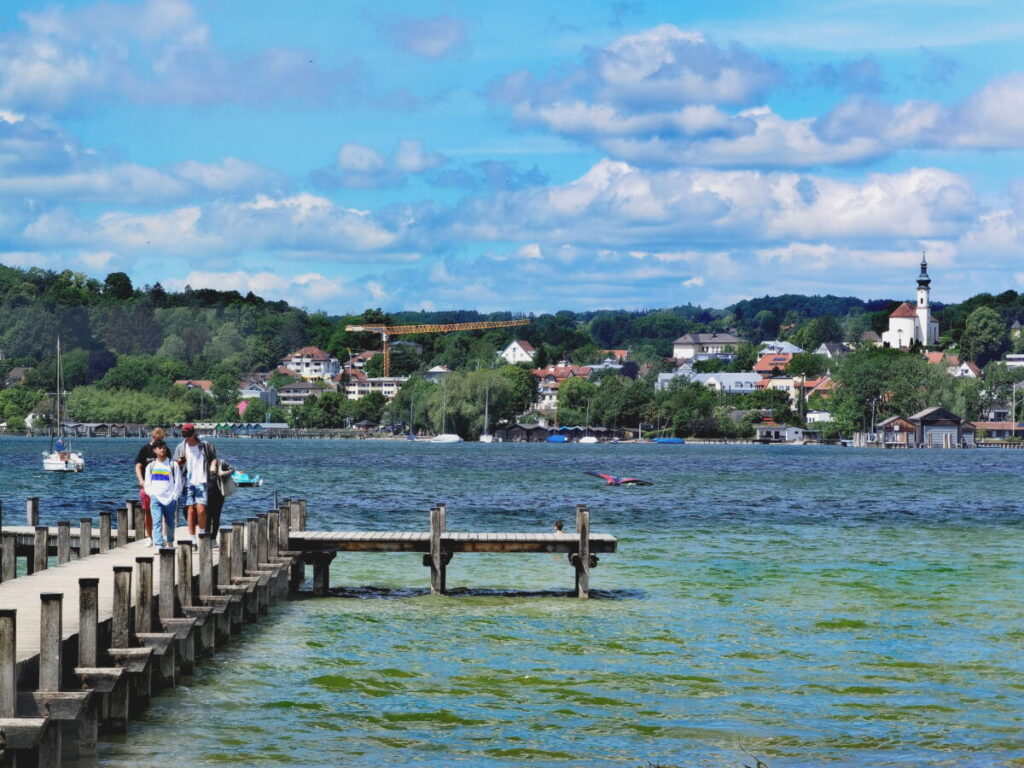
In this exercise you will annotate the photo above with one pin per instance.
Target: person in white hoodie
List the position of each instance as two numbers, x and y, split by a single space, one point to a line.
163 484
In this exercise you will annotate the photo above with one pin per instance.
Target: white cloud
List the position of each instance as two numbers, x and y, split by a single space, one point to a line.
358 166
300 290
429 38
694 282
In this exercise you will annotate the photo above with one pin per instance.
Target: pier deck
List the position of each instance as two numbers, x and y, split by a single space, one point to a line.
454 542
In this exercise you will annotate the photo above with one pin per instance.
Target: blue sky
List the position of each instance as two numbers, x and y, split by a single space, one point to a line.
528 157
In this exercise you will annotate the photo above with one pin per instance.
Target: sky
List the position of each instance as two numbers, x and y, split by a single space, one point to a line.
524 157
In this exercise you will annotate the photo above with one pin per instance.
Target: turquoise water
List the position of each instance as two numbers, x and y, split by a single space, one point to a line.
810 606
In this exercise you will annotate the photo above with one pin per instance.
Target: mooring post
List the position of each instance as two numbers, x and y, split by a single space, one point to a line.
251 546
144 595
185 573
32 510
88 621
8 655
295 510
274 533
40 551
181 627
226 554
120 623
84 537
122 526
224 583
140 519
583 563
9 556
203 636
50 663
104 532
205 563
262 539
165 605
302 514
283 530
237 550
322 573
437 566
63 542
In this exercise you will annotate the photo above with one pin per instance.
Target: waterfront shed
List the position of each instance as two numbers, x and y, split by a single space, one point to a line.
939 428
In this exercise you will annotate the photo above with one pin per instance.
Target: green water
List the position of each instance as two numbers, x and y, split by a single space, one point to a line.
808 606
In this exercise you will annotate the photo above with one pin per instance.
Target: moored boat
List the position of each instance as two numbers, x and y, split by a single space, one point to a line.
60 457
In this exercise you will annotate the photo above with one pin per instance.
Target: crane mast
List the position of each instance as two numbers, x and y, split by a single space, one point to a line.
387 331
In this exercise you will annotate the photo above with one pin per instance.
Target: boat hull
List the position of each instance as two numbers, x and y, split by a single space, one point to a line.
446 438
52 462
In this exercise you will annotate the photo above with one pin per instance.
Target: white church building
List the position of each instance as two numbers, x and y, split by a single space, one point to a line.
909 324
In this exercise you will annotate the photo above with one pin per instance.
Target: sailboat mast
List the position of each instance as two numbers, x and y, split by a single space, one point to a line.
487 409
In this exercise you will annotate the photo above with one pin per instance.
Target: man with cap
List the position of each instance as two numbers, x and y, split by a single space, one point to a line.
194 456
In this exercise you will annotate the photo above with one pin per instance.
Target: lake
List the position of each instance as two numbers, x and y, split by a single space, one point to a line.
809 606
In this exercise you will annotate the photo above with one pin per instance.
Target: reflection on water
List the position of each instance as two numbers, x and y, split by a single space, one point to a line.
810 606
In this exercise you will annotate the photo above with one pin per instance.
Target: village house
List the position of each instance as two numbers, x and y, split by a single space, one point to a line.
772 365
298 392
721 345
914 324
783 433
833 350
435 374
360 385
730 383
204 384
518 352
16 377
256 390
550 378
777 347
311 363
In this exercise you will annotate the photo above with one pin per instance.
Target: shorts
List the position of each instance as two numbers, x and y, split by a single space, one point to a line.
144 498
194 494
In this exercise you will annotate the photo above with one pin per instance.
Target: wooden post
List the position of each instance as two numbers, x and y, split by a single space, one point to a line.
283 531
262 539
84 537
251 547
185 573
226 556
140 520
50 641
32 511
274 533
583 564
295 510
322 573
63 542
88 622
437 566
205 563
8 654
9 555
40 552
237 551
122 526
104 532
144 596
302 514
120 623
166 603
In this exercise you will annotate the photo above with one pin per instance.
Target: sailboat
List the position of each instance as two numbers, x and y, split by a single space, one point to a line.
60 457
445 437
588 438
487 437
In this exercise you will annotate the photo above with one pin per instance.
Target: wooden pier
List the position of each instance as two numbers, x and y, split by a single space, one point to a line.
99 620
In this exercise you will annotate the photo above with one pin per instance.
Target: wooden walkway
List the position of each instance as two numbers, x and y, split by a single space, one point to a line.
418 541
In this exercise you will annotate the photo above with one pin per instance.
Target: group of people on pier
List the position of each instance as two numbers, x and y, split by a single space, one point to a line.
193 479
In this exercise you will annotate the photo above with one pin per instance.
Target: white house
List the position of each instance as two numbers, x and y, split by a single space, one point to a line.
311 363
909 325
730 383
692 344
518 352
777 347
357 386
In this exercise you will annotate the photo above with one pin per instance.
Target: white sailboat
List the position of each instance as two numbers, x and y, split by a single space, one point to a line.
60 457
588 438
445 437
487 437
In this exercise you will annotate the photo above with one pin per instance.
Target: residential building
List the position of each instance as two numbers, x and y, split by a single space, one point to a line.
438 372
550 378
817 417
783 433
966 370
264 392
518 351
1014 360
16 376
1000 430
298 392
311 363
833 350
619 355
730 383
914 324
691 344
870 339
776 347
204 384
771 365
608 364
360 385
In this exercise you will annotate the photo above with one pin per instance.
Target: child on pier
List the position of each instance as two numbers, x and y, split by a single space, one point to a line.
163 484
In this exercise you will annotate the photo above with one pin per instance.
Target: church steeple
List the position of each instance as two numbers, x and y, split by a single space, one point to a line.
923 281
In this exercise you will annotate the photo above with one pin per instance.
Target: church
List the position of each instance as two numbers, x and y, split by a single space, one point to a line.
910 325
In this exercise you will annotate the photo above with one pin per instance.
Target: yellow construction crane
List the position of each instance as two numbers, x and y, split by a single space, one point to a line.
387 331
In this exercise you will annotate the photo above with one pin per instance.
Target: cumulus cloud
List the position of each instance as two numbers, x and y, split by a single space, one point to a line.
157 51
300 290
429 38
358 166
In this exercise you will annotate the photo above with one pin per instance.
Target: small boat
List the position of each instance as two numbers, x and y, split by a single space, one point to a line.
245 480
60 457
487 437
558 439
669 440
445 437
588 438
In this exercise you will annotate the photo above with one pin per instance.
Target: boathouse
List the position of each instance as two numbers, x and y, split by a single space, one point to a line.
897 432
939 428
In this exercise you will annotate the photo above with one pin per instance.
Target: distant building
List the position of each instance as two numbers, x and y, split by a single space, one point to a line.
264 392
204 384
437 373
783 433
298 392
730 383
692 344
938 428
312 363
833 350
910 325
1014 360
777 347
16 376
361 385
518 352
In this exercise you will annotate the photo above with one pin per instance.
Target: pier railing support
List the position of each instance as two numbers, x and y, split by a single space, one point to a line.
40 550
22 735
182 628
9 556
122 525
63 542
135 660
84 537
104 532
203 634
162 643
32 511
109 684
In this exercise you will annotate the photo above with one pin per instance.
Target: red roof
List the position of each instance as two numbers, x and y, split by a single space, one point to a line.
203 384
904 310
525 345
561 372
768 363
313 352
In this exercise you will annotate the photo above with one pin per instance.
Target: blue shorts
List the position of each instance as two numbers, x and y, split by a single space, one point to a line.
194 494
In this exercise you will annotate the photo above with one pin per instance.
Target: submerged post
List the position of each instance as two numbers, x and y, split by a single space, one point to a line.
104 532
63 542
84 537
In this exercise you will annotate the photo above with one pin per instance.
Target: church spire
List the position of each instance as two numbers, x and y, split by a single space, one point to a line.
923 281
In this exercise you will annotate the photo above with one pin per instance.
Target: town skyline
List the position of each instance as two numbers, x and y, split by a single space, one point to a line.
444 156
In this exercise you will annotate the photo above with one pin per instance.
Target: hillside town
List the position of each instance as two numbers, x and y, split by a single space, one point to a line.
813 381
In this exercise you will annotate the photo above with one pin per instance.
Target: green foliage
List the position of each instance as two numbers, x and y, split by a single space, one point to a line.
118 286
814 333
574 397
18 402
712 365
105 405
808 365
897 383
404 362
984 337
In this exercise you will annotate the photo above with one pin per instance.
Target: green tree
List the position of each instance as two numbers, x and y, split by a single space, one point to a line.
574 396
985 336
807 365
118 286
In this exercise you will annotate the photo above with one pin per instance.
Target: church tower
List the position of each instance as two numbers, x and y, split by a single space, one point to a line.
924 309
